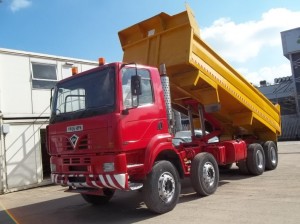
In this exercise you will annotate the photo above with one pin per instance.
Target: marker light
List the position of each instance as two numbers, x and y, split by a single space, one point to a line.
101 61
53 167
74 70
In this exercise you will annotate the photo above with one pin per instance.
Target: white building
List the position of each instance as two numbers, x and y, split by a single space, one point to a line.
26 80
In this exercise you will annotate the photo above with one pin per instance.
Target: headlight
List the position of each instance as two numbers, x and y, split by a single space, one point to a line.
108 167
53 167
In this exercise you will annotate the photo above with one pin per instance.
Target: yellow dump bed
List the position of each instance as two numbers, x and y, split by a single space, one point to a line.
198 72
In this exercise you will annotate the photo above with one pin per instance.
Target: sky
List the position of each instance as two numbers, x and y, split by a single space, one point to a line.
245 33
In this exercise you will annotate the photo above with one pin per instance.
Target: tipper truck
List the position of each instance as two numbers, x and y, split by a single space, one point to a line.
111 127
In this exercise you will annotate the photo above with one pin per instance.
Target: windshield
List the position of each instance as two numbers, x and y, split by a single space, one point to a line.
84 96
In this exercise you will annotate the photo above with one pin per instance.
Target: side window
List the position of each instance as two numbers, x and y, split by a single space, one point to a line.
44 76
147 96
147 92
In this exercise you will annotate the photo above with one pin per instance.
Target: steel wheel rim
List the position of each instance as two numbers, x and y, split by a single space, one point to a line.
273 156
259 159
209 174
166 187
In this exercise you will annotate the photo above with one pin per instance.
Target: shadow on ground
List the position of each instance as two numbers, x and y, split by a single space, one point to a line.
125 207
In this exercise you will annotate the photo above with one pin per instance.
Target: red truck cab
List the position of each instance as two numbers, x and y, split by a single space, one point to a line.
100 134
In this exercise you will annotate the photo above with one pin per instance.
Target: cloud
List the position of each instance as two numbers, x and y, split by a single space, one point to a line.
19 4
266 73
238 43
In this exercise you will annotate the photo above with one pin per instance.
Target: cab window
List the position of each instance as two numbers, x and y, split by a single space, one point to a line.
147 92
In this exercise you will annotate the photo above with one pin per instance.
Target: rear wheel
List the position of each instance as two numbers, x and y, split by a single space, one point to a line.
99 199
243 167
162 187
204 174
255 159
271 154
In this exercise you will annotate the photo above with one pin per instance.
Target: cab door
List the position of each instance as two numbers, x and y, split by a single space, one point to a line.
141 116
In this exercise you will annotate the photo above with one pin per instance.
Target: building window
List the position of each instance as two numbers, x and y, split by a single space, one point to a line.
43 76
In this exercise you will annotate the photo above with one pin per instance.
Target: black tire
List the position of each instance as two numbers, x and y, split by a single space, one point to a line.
271 154
255 159
99 199
243 167
204 174
162 187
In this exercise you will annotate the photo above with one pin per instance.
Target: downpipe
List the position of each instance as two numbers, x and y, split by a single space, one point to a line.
1 157
3 173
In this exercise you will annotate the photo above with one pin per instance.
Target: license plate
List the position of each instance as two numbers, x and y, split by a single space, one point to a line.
75 128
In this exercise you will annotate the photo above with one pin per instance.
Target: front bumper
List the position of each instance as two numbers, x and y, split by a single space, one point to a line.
113 181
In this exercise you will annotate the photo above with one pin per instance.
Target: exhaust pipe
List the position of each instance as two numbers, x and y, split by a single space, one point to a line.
166 89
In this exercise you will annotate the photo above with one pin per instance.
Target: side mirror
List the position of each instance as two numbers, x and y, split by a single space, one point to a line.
136 87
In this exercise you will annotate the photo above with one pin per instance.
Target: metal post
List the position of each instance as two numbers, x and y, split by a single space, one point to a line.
177 118
190 113
295 86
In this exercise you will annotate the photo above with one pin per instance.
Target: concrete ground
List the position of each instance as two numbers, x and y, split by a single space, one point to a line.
273 197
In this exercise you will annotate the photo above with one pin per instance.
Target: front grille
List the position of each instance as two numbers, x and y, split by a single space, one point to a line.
83 143
76 161
68 145
86 160
66 161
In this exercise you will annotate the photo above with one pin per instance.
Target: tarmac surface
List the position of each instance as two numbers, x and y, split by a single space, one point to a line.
273 197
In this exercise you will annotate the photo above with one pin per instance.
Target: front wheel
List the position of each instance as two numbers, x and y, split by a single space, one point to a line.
204 174
162 187
99 199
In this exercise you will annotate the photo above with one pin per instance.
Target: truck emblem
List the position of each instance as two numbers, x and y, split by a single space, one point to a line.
73 140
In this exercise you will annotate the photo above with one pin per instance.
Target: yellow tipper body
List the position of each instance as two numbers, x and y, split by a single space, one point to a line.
197 72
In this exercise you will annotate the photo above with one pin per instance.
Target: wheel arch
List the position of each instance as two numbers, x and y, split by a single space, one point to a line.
173 157
160 149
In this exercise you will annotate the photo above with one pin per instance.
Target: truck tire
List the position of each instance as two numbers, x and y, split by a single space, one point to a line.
271 154
243 167
255 159
204 174
99 199
162 187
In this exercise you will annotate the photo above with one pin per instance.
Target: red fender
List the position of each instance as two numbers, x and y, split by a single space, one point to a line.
158 144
